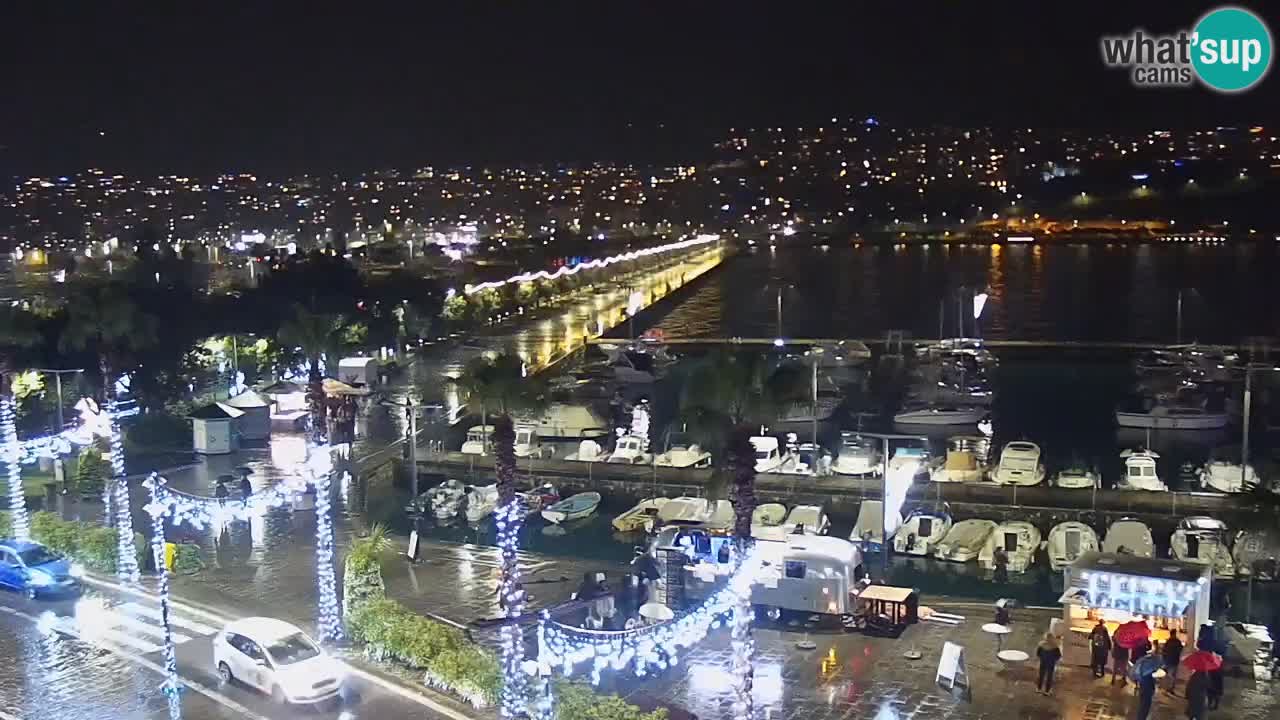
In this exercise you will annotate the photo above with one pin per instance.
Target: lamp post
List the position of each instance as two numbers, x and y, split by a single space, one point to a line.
57 375
411 413
886 438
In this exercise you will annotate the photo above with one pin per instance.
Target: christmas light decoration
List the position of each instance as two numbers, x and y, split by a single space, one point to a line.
567 270
653 646
12 456
508 520
171 687
126 553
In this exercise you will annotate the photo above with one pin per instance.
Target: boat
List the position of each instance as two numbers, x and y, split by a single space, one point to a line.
857 456
1129 537
1140 472
1077 475
640 515
478 439
807 520
1020 540
965 461
635 367
1019 465
806 459
940 415
808 411
766 521
920 532
869 529
721 519
569 420
1226 476
535 499
480 502
768 458
527 442
630 450
574 507
588 451
685 511
1068 541
446 499
1162 417
964 540
681 453
1255 554
907 456
1203 540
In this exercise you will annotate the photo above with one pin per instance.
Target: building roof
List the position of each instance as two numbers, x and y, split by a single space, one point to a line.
284 387
1124 564
216 411
249 399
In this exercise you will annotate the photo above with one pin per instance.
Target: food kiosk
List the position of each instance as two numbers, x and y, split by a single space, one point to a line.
1167 594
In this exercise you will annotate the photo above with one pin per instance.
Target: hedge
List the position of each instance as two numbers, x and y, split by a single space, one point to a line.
576 701
448 660
90 544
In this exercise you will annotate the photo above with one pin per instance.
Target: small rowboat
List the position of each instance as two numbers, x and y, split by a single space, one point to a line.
575 507
639 516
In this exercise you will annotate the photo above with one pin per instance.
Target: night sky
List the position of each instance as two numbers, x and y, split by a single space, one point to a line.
285 88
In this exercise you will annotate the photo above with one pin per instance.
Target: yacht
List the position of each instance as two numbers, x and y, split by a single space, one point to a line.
1020 540
964 541
767 521
920 532
1077 475
1019 465
569 420
966 460
640 515
868 529
480 502
1068 541
630 450
1226 476
1203 540
858 455
940 415
1129 537
807 520
527 442
807 459
1162 417
914 457
681 453
478 439
588 451
768 458
1140 472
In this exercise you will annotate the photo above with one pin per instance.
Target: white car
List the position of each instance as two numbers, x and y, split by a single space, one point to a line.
278 659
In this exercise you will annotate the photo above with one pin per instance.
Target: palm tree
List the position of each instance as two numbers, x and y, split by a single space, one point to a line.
16 334
316 334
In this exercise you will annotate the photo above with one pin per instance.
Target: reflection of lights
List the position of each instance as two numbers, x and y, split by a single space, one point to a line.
707 681
897 483
47 623
979 302
778 342
92 617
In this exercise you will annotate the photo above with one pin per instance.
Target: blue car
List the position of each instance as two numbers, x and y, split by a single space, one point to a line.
36 570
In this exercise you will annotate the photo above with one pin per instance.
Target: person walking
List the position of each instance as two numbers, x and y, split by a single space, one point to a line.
1099 647
1146 694
1000 559
1171 653
1049 654
1119 664
1197 695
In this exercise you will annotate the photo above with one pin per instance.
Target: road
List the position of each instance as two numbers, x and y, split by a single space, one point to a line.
100 656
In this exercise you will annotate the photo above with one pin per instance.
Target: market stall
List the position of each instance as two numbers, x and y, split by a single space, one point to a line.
1126 591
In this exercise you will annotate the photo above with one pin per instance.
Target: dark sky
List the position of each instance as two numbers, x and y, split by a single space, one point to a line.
277 87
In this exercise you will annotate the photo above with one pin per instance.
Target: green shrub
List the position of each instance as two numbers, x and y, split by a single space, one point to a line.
92 471
576 701
89 544
6 525
187 559
362 570
159 430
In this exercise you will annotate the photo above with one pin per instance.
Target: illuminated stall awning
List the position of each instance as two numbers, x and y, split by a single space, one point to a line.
1138 603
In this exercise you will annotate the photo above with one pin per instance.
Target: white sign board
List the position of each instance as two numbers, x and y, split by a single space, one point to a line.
412 551
951 665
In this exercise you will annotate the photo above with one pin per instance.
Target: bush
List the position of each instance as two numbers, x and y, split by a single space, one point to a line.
6 525
187 559
89 544
159 430
92 471
575 701
362 570
449 661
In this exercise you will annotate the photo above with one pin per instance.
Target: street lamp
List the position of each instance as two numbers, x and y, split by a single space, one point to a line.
57 374
411 412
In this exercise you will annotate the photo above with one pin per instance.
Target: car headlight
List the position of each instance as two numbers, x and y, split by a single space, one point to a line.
76 571
40 577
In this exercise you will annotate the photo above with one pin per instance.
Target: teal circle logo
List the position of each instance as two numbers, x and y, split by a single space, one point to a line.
1231 49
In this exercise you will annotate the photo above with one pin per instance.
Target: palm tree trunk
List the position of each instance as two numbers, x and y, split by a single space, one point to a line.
20 527
741 461
116 490
315 403
510 591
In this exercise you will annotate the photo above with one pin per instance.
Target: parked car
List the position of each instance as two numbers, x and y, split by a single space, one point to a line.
36 570
278 659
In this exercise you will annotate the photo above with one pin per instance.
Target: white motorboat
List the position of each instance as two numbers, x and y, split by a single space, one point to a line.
920 532
569 420
527 442
630 450
869 529
574 507
1140 472
858 456
940 415
906 456
960 466
1162 417
1068 541
1019 465
1225 476
1020 540
721 519
588 451
964 541
1129 537
685 511
640 515
807 520
766 521
1203 540
480 502
446 499
768 457
807 459
1077 475
478 440
681 454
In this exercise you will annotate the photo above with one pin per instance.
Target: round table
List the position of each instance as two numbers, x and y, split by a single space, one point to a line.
999 631
1011 660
